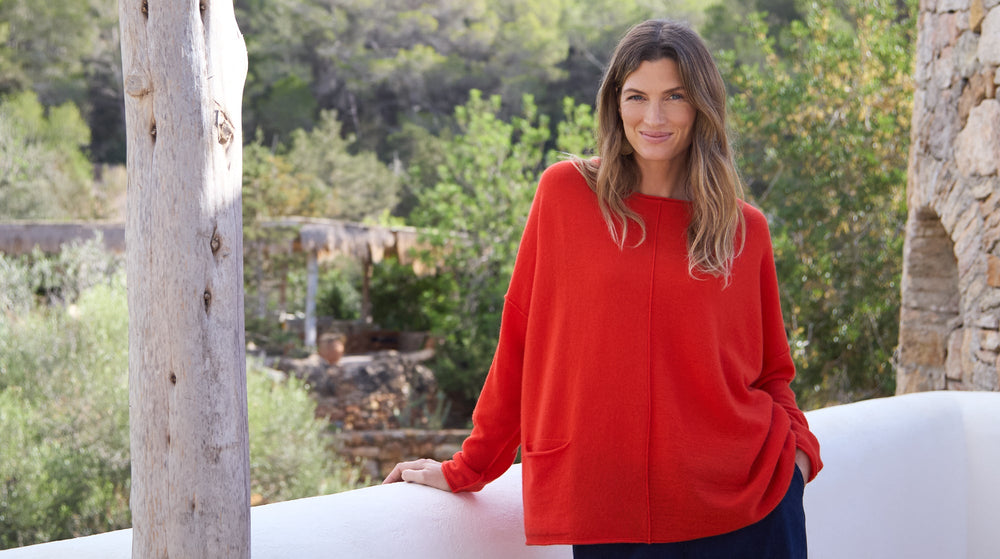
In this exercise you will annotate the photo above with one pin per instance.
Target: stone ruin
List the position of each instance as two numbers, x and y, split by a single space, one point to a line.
950 319
381 390
385 407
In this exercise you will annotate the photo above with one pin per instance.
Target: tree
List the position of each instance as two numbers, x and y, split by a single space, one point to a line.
823 138
44 172
184 66
67 51
477 211
484 183
355 186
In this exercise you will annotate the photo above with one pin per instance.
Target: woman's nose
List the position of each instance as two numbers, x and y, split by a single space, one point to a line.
656 113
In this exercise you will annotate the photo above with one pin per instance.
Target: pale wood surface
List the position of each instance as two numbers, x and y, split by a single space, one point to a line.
184 66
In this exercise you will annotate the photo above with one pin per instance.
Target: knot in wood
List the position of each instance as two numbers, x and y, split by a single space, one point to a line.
137 85
216 243
145 8
226 130
152 131
208 299
202 6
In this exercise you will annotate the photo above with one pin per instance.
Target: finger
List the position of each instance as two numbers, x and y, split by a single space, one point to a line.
415 476
395 475
397 472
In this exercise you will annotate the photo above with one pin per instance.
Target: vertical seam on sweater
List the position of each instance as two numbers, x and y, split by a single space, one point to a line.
649 373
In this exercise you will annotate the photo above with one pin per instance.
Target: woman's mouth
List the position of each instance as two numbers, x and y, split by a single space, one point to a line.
655 137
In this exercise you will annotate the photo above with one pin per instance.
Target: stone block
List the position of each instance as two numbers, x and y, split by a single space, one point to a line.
945 68
989 340
954 204
989 39
977 147
951 5
992 270
966 54
976 14
990 209
953 359
983 188
925 48
989 301
972 94
444 452
922 346
944 125
970 347
918 379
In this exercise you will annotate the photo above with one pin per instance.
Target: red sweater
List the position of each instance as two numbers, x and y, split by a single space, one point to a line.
649 406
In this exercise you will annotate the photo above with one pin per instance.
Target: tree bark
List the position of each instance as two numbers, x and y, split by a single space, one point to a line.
184 66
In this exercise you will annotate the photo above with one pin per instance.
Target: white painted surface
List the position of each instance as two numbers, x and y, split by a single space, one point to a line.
914 476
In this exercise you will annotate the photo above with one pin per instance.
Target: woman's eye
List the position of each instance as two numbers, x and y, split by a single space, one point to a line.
634 98
676 97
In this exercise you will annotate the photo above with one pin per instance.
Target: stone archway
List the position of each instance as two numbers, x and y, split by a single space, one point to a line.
930 329
950 317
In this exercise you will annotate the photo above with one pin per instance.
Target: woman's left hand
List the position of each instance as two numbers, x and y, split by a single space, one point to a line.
805 466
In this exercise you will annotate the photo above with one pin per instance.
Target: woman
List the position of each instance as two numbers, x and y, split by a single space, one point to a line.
643 366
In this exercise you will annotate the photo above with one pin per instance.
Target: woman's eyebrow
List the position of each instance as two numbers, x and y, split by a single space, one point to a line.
636 90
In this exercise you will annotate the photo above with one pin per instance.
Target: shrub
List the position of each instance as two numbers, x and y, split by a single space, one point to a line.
65 469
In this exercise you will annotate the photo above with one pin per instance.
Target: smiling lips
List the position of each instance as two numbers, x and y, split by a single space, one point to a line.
655 137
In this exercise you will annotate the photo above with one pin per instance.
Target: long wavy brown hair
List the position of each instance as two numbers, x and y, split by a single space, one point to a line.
716 232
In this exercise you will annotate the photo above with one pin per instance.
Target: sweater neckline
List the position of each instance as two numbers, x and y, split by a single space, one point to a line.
640 196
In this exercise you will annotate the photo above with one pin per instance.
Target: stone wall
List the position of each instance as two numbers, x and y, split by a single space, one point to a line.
377 452
950 319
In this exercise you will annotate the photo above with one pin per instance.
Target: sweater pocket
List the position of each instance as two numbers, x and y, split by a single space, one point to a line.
547 478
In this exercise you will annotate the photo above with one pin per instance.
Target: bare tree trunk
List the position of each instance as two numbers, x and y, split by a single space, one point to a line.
184 65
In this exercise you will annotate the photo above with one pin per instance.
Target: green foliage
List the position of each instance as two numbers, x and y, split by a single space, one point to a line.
67 51
65 469
63 406
340 290
824 136
287 105
290 453
403 300
383 64
356 186
475 214
273 187
43 169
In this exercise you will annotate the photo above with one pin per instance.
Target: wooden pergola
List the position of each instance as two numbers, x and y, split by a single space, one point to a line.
322 240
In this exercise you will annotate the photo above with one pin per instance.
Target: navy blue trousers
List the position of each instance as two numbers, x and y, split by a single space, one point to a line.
779 535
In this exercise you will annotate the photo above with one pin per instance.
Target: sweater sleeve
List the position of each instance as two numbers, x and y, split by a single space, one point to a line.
496 433
778 370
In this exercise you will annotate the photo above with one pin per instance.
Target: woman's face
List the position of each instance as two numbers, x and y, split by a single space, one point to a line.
656 113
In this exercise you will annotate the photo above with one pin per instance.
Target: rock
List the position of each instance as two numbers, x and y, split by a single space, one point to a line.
951 5
966 54
989 39
977 147
993 271
976 14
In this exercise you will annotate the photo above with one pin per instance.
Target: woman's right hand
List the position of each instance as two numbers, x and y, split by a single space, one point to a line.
424 471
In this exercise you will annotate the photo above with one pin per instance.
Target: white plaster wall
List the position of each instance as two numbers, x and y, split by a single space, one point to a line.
915 476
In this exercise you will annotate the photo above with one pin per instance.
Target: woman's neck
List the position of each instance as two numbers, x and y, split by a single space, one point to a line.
666 179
